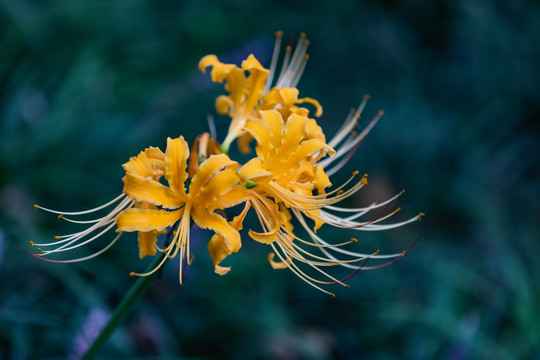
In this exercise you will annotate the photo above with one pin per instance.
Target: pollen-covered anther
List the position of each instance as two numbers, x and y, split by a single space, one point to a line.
364 179
354 239
340 192
132 273
376 253
36 206
57 237
31 243
41 251
356 172
60 216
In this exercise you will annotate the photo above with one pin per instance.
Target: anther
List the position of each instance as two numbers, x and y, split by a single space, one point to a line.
36 206
41 251
421 215
340 192
288 48
335 263
366 97
376 253
57 237
354 239
60 216
403 253
364 179
131 273
380 113
398 209
356 172
279 33
31 243
401 192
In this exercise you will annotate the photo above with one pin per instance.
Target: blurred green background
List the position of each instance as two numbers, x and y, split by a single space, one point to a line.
84 85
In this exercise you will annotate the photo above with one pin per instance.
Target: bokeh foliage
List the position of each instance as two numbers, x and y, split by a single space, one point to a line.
84 85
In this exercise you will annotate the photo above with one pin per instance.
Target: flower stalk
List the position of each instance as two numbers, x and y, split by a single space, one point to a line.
122 310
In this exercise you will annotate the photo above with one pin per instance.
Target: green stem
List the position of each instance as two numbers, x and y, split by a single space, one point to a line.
121 311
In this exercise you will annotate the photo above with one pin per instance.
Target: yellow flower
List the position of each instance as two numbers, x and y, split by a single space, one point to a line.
244 92
252 93
149 163
285 175
214 186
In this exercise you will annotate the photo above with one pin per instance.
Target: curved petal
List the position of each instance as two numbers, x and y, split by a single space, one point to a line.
207 169
146 220
150 191
227 240
276 265
176 157
253 170
224 105
147 243
318 107
218 185
243 143
139 165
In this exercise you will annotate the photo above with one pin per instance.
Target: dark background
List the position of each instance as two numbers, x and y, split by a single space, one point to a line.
84 85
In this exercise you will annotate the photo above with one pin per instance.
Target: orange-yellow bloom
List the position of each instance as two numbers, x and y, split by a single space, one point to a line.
214 186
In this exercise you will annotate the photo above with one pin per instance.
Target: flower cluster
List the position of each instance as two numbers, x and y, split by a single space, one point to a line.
286 179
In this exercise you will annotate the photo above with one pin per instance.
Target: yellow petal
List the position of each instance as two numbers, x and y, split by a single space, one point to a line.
217 247
176 157
261 133
321 180
253 170
139 165
150 191
146 220
218 185
255 83
219 70
243 143
157 159
225 242
318 107
224 105
276 265
220 226
234 197
147 243
207 169
206 61
275 123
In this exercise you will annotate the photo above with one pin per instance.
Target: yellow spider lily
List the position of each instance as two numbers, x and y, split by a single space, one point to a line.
286 172
214 186
252 93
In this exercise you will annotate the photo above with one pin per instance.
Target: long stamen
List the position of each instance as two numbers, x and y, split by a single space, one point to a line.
81 212
273 63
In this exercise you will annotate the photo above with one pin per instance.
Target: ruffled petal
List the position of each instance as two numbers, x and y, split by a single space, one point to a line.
224 243
176 157
139 165
276 265
146 220
150 191
253 170
147 243
207 169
